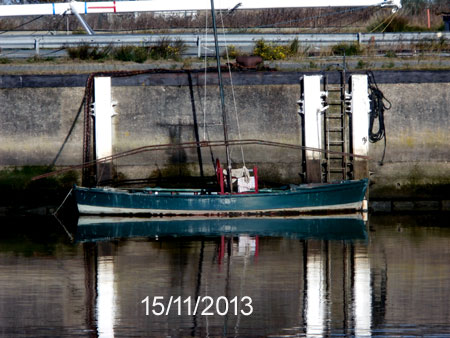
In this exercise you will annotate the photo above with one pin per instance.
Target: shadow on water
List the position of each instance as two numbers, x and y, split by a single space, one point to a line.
290 277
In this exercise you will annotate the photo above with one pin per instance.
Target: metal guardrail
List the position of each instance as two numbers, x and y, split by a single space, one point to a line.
197 44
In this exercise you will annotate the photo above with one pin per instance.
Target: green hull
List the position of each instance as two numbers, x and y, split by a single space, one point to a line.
344 195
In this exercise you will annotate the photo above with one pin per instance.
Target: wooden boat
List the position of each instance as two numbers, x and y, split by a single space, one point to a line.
306 198
342 227
339 196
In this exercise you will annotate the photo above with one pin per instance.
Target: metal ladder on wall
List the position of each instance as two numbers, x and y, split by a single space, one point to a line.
336 131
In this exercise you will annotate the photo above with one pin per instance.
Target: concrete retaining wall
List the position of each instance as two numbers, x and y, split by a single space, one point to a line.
37 113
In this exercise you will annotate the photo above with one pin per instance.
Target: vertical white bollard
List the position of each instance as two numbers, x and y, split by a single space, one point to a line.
360 115
103 113
360 105
312 108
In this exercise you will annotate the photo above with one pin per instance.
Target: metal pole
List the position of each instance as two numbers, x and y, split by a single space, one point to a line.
222 98
199 47
83 23
36 47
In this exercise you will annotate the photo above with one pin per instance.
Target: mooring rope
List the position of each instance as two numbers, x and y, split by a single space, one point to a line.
64 201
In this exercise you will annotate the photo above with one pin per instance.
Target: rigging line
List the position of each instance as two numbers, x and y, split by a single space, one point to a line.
205 75
69 133
192 145
205 131
232 88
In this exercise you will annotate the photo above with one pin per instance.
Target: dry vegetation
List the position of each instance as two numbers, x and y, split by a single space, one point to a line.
411 17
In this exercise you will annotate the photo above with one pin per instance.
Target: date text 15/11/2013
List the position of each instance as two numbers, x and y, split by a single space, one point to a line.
204 306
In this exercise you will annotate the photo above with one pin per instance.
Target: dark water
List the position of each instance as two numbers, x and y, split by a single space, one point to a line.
278 278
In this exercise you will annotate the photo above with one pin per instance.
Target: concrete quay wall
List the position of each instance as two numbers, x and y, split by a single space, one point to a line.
40 124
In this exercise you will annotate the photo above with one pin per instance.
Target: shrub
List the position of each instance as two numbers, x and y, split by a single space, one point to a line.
271 52
131 53
232 51
396 24
388 65
361 64
391 54
348 49
433 45
294 46
81 52
79 31
166 49
87 52
179 48
313 65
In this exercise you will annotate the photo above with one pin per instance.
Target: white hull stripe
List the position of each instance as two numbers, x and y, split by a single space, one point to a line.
99 210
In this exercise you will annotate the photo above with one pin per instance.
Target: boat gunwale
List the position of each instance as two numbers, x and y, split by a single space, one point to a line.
302 189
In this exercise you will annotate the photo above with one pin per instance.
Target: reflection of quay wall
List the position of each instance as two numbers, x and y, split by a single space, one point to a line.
40 293
37 113
402 258
311 286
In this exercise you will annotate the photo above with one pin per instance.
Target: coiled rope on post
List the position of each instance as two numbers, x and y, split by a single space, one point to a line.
377 109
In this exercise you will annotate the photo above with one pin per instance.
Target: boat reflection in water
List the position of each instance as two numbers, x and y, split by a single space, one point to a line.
91 228
332 293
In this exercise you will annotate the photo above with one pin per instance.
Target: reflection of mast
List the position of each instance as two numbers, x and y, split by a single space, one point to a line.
90 270
198 286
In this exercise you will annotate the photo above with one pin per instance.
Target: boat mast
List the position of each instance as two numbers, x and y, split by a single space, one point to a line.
222 98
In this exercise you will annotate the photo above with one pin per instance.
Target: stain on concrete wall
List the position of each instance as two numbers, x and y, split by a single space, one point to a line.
418 143
34 122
